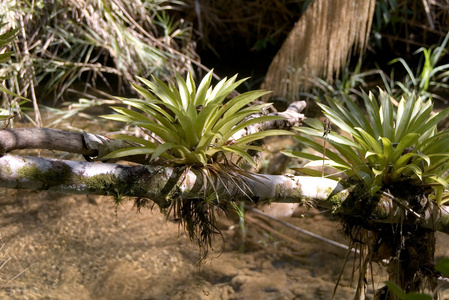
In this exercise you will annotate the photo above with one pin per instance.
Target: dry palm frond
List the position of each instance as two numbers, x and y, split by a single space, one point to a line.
320 43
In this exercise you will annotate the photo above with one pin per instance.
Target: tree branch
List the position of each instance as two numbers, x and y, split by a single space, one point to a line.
163 184
43 138
153 182
94 146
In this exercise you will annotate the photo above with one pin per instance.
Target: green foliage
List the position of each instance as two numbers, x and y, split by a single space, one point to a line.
193 125
349 83
442 266
388 145
428 76
5 40
63 41
7 108
400 24
403 296
197 127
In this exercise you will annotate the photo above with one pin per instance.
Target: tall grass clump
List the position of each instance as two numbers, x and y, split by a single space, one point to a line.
66 41
8 108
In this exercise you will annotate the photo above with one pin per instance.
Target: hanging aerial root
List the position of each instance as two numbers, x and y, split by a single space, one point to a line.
197 215
404 248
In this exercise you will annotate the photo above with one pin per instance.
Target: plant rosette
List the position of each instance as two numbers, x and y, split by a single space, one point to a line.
389 145
396 163
192 125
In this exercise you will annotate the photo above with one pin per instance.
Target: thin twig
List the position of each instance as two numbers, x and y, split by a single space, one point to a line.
272 230
428 14
4 263
398 202
37 116
3 286
327 130
311 234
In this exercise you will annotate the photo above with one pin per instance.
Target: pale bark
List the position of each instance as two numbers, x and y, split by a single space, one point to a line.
153 182
94 147
43 138
162 184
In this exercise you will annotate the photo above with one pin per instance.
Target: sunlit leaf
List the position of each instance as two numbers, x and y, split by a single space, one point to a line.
408 141
441 181
200 97
129 152
369 141
250 122
135 139
240 152
161 149
260 135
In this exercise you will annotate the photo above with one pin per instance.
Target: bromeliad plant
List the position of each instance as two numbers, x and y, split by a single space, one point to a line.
193 126
197 127
394 156
387 146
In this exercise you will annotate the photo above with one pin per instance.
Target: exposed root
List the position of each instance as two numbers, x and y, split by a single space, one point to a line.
405 249
220 181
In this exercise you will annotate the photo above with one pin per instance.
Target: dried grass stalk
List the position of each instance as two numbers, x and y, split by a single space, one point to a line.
65 41
320 44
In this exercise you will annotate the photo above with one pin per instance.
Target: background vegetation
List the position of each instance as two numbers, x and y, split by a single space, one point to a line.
67 48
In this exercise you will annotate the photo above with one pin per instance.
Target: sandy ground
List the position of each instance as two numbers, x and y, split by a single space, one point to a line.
75 247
